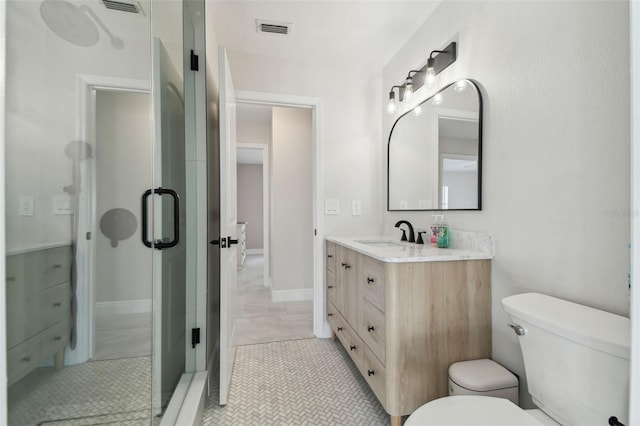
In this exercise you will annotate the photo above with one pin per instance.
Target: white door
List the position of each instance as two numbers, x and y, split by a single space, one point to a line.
228 223
168 241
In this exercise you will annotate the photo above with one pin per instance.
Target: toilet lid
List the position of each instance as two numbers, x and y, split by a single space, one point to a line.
471 410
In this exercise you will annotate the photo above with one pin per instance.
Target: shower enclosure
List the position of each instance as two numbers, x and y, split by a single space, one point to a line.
99 306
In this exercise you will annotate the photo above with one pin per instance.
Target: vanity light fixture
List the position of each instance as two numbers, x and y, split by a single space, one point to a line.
408 85
441 60
391 107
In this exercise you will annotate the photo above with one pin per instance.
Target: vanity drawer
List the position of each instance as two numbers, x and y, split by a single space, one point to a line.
23 358
331 257
373 329
375 375
23 293
332 289
55 338
57 266
56 304
373 281
354 346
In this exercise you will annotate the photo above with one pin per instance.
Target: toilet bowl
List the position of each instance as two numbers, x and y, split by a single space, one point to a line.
472 410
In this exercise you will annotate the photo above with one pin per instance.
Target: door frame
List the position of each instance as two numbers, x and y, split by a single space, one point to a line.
85 250
266 196
320 325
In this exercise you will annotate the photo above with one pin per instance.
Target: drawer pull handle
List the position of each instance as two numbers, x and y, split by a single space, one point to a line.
339 328
57 338
347 266
57 304
370 328
370 372
329 256
26 359
11 279
57 266
344 265
370 280
329 314
329 286
353 348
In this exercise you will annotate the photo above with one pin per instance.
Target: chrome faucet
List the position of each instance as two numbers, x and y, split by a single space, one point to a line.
412 237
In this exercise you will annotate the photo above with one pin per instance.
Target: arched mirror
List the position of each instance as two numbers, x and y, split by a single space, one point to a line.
435 152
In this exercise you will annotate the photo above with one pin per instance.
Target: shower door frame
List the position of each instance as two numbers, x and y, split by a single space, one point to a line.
88 221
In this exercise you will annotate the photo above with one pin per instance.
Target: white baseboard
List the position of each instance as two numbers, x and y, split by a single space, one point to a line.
291 295
123 307
253 252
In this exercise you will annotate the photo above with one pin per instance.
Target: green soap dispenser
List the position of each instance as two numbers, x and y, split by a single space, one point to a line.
443 233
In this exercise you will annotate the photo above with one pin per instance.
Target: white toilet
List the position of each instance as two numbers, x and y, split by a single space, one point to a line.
576 362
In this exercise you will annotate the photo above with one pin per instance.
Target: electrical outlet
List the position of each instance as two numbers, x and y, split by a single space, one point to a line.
356 208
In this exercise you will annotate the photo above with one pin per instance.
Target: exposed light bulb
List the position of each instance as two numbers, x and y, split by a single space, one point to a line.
460 86
437 99
391 107
417 110
408 89
431 72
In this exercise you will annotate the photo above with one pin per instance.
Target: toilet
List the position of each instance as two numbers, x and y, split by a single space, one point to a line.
576 360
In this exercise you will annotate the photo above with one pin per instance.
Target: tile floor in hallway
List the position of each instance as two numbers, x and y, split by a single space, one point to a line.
258 319
297 382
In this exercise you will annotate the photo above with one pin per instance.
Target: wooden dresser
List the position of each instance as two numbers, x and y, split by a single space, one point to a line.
38 308
404 323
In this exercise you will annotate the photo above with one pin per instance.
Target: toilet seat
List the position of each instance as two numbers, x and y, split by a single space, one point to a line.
471 410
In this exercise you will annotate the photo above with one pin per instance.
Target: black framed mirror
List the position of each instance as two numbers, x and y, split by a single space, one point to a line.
434 159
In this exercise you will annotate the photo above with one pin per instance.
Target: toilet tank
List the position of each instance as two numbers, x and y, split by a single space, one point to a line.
576 358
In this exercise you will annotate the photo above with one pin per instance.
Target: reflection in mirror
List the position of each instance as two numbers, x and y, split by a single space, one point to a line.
435 152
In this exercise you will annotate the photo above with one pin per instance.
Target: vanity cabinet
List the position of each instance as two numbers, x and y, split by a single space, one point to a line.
404 323
38 308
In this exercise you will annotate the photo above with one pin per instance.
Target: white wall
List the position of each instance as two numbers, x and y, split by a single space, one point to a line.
555 84
291 200
253 131
250 207
41 110
350 129
123 140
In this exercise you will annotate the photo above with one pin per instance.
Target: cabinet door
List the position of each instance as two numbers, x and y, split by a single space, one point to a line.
23 291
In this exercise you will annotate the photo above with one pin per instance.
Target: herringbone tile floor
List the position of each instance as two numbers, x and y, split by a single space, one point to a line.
298 382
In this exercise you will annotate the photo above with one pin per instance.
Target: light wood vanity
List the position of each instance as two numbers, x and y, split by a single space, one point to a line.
405 313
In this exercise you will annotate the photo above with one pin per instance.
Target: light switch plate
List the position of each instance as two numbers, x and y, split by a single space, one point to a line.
26 205
356 207
331 206
62 204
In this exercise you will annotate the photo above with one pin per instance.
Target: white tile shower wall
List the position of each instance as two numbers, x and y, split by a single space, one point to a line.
555 83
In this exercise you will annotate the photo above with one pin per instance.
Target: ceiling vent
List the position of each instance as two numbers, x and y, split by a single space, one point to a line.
273 27
123 6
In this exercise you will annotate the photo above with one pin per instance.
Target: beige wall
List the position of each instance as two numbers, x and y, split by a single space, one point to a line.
555 84
291 200
250 207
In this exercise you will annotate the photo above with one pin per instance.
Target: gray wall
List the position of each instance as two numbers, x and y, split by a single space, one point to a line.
556 173
250 208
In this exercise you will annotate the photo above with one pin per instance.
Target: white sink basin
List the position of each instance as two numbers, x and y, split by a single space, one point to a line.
379 243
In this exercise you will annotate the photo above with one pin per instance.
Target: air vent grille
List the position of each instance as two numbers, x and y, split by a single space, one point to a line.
271 27
122 6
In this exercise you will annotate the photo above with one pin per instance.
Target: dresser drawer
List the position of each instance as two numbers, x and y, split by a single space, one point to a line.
332 289
375 375
331 257
23 358
56 304
373 329
373 281
55 338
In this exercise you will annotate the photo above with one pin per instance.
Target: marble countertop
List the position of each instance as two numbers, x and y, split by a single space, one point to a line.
464 246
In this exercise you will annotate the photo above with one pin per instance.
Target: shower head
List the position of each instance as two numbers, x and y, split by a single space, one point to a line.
69 22
75 24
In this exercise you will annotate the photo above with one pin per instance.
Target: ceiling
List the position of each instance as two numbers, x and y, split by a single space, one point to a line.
363 32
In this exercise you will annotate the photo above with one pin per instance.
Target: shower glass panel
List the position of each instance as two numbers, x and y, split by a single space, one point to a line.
95 117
